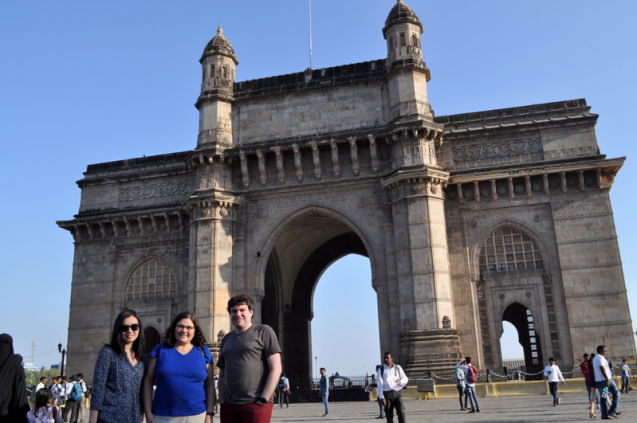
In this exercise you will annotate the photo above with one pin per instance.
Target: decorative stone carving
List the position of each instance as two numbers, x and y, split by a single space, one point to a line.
337 167
317 161
244 169
496 150
363 202
446 322
153 190
263 175
279 165
373 152
223 212
297 162
262 212
354 155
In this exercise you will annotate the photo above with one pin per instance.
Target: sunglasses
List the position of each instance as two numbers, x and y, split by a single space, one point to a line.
125 328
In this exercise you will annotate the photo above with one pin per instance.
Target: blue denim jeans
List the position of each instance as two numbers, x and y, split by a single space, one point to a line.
614 392
625 384
471 393
553 389
326 403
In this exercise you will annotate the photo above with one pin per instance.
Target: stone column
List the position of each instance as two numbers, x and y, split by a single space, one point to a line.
424 285
211 261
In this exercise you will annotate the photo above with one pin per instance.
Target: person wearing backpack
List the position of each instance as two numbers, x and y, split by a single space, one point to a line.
74 395
284 391
471 377
391 379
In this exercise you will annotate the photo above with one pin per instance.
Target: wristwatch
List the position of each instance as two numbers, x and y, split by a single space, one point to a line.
210 413
262 401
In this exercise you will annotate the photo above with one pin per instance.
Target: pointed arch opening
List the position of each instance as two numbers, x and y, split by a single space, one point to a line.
528 336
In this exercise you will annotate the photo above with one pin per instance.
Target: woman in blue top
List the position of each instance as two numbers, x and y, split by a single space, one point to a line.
182 368
119 369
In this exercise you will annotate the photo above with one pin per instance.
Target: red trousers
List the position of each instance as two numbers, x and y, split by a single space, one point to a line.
246 413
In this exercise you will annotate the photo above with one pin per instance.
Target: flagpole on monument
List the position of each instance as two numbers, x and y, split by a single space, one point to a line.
310 34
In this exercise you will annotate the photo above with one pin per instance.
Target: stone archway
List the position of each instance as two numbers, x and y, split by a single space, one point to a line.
528 336
307 247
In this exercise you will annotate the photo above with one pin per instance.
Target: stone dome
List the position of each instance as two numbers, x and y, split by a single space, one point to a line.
400 13
220 45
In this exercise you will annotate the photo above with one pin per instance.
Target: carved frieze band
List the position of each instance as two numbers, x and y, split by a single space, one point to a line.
154 190
496 150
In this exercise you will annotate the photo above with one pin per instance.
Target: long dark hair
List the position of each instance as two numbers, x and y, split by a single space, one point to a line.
169 338
117 341
42 398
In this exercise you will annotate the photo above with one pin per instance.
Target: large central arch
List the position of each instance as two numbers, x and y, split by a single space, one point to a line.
301 250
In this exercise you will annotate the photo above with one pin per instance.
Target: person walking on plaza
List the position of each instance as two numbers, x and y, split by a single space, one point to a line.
284 391
589 379
181 367
324 391
80 380
605 384
73 397
555 375
379 399
249 366
120 366
460 384
391 379
55 388
626 375
471 377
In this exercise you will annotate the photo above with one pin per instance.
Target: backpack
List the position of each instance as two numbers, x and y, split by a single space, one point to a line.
282 383
472 374
76 392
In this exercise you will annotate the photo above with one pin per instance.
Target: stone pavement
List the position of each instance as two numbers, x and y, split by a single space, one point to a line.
504 409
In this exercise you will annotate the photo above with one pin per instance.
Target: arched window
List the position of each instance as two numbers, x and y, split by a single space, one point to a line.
391 43
224 72
414 40
152 279
402 39
509 249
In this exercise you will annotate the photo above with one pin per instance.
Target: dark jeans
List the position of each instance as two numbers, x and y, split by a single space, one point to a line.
394 400
614 392
284 396
72 407
382 409
625 384
461 391
471 393
553 389
246 413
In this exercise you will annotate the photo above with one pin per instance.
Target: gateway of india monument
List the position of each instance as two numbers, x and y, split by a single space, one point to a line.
468 220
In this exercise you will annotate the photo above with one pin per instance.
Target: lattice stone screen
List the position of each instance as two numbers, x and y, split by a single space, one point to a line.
152 279
509 249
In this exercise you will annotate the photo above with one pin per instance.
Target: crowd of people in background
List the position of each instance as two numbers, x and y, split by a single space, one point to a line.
175 383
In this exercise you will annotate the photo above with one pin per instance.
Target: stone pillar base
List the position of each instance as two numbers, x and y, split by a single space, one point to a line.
437 351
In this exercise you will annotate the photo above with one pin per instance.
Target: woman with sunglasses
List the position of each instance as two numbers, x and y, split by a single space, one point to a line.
118 373
182 368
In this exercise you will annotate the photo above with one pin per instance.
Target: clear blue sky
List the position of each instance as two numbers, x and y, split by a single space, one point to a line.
87 82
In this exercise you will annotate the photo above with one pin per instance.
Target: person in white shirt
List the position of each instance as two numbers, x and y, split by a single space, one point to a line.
41 385
604 381
555 375
470 387
55 389
80 377
391 379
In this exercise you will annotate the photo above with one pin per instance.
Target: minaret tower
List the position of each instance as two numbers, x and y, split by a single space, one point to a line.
408 73
218 65
428 340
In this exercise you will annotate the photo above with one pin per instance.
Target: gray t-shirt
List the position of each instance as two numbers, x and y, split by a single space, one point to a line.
244 357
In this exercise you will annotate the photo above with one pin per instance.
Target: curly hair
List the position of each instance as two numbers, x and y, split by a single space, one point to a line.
240 299
169 339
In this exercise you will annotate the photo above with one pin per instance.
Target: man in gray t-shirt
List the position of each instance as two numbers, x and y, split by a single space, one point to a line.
250 366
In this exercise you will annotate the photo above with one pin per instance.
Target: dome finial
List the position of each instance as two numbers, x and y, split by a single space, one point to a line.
219 30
